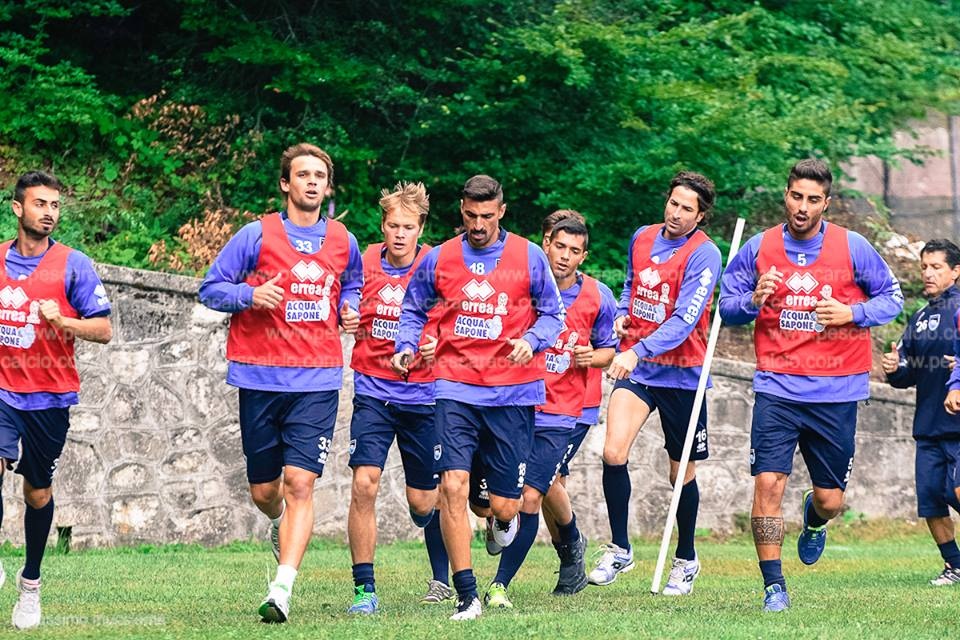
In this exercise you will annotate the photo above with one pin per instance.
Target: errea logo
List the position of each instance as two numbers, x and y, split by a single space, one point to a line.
650 278
805 283
307 271
478 290
392 294
14 298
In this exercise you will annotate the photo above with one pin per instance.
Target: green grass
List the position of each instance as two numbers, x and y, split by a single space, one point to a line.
872 582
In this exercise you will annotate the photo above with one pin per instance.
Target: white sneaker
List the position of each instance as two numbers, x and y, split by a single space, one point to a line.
492 547
467 610
275 540
26 613
276 606
614 560
682 575
504 536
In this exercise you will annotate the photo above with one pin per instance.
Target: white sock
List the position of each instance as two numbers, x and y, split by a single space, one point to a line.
286 574
283 510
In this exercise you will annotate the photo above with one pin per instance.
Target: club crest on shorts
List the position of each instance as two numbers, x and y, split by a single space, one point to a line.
353 446
753 456
437 452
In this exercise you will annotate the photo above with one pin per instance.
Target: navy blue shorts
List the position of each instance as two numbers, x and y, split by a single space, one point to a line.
374 426
938 476
577 437
675 407
824 430
280 428
546 456
501 436
34 440
479 495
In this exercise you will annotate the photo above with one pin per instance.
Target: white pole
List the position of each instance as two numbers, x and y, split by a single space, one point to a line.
692 424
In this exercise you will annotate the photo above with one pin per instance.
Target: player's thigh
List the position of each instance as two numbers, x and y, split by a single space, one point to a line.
630 406
930 467
827 443
260 413
372 430
577 436
416 440
10 422
479 495
307 430
457 426
546 456
675 407
951 449
774 433
505 443
42 438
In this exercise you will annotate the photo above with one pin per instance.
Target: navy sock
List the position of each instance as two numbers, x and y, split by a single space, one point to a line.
419 520
813 518
950 553
616 492
772 571
363 576
36 528
687 519
513 556
439 561
568 532
465 585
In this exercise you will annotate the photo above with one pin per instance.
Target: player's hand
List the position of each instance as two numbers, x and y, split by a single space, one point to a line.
951 362
623 364
620 326
766 286
891 360
583 355
349 318
833 313
522 351
268 295
50 311
400 363
952 403
428 350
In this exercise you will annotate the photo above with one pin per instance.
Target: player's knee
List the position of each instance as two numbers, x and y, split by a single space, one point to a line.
37 498
614 456
265 493
480 511
828 505
365 488
422 502
454 485
768 489
505 508
532 500
298 488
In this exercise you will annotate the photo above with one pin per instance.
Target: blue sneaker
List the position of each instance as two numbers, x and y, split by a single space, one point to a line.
775 598
812 540
364 602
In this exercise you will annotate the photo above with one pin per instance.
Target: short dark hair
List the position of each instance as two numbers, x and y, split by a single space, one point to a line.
700 184
482 188
574 227
560 214
812 169
950 250
35 179
304 149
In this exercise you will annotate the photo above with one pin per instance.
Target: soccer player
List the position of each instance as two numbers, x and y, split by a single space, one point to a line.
500 310
662 321
386 406
50 296
922 359
813 289
586 341
291 280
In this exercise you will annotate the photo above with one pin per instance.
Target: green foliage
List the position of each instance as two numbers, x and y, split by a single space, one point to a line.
155 112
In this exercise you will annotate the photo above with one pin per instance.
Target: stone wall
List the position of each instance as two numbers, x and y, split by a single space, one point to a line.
154 455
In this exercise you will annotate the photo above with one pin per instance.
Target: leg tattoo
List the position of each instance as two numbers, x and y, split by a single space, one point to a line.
767 530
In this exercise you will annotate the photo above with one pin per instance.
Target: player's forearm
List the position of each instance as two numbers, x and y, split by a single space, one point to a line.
226 296
601 358
90 329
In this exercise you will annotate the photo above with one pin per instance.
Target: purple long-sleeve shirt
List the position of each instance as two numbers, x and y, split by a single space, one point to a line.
601 337
703 269
224 289
422 295
86 294
870 273
393 390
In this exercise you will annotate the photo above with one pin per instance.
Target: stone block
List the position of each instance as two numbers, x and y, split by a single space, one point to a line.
131 477
133 517
178 352
187 463
127 406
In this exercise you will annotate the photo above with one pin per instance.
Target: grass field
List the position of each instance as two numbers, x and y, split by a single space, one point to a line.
871 583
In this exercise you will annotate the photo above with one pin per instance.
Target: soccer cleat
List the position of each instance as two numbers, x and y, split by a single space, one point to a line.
775 598
276 606
948 577
275 540
493 548
573 572
682 575
503 535
26 613
812 540
614 560
496 597
467 610
364 602
436 592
